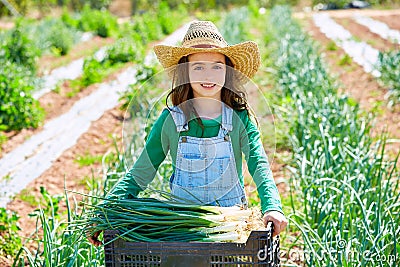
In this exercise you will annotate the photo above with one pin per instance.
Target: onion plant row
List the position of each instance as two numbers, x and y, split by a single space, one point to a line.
389 67
345 190
153 220
58 242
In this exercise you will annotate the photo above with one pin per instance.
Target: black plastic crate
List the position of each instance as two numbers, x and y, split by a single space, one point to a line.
260 249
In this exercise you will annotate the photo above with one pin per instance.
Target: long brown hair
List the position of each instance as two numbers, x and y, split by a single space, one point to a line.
232 93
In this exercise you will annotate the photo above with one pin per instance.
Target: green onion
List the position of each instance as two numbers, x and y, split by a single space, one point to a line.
153 220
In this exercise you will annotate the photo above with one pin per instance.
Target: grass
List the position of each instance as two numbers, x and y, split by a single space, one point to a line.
88 159
3 139
378 107
345 60
57 89
6 178
331 46
27 196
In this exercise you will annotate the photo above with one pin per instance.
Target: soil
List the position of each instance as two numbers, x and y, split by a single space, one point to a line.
392 21
6 25
121 8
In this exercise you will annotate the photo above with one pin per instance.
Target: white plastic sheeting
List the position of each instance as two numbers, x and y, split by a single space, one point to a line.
29 160
361 52
69 72
378 28
86 36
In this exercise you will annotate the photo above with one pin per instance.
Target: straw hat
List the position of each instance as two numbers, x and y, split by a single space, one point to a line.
203 36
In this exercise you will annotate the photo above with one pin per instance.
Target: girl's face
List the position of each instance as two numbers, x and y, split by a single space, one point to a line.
207 74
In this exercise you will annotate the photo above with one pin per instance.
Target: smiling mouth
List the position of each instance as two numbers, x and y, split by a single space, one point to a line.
207 85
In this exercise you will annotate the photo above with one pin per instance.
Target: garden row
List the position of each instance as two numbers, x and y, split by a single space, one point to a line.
131 48
381 64
389 67
16 166
19 55
344 190
22 46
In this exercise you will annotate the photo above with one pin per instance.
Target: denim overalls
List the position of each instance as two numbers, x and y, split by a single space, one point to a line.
205 170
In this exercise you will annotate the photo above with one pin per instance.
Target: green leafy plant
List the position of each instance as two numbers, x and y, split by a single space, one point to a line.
331 46
70 19
27 196
234 26
10 241
3 139
148 27
99 21
167 24
93 72
124 50
344 60
88 159
60 38
18 108
16 47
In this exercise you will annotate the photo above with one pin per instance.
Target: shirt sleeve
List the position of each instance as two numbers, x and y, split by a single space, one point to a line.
258 165
144 169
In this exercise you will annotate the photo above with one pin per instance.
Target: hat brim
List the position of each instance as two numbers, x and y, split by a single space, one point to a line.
245 56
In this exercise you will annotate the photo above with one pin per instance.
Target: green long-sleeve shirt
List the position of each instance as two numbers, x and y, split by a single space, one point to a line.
163 138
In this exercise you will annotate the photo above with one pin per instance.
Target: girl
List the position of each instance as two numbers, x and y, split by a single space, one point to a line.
207 129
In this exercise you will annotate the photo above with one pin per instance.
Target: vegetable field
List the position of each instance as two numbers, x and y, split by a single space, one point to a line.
79 92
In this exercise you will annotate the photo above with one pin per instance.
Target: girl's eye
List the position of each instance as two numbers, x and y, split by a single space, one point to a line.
218 67
197 68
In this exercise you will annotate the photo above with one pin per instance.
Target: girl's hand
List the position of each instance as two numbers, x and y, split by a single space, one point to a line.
94 239
278 219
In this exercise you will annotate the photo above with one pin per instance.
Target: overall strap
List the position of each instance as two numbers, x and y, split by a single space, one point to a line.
226 119
181 125
179 118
